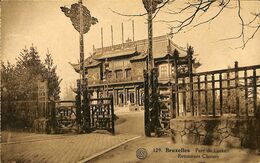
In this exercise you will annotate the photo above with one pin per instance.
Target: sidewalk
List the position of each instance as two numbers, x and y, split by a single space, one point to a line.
26 147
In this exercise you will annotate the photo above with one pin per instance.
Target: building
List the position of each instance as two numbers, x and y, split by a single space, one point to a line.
124 76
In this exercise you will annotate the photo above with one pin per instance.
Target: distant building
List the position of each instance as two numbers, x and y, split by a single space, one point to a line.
126 62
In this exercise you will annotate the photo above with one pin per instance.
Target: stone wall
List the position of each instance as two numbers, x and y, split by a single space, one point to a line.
227 131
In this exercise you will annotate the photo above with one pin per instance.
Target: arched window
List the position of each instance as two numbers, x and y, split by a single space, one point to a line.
121 98
132 97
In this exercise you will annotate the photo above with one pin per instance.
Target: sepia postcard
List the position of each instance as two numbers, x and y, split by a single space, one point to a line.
130 81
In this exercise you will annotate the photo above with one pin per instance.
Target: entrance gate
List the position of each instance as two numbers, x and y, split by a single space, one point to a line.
64 116
102 114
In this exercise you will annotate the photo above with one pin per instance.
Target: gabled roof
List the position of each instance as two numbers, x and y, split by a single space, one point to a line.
162 46
115 53
89 62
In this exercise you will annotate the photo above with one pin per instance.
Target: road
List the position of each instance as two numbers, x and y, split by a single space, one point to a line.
29 147
132 123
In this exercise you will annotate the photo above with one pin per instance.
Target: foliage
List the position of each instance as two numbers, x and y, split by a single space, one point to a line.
52 77
19 81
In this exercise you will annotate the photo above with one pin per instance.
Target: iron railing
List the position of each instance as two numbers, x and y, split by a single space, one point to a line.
231 91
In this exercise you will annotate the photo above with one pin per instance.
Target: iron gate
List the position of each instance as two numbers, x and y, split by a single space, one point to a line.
64 116
102 114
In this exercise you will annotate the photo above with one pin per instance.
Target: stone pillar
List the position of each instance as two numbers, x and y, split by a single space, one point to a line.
180 104
136 99
125 95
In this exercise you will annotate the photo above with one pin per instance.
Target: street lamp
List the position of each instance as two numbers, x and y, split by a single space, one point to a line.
81 20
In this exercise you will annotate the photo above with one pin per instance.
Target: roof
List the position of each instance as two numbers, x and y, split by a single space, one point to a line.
115 53
160 48
89 62
162 45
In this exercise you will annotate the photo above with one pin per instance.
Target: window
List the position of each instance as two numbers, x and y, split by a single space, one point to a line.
108 76
131 97
163 71
128 73
119 74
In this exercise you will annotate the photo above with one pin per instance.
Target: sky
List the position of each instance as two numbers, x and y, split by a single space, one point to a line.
42 24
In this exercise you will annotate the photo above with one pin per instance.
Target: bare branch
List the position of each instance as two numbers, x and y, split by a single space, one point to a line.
128 14
250 38
241 35
203 6
160 7
197 9
212 18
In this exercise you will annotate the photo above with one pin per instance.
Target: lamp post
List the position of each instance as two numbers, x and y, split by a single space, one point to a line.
81 20
151 112
106 65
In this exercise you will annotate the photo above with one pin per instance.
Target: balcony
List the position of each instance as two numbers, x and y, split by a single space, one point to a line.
114 81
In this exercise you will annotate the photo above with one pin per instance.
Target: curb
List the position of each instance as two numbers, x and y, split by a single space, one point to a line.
106 150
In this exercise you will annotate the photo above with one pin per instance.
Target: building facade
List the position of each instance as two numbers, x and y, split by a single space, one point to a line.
118 70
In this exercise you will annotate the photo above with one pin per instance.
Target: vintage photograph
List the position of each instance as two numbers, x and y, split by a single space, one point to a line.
130 81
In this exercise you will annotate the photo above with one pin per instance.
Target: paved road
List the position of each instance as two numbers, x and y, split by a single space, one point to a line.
73 148
133 123
156 148
65 149
156 152
30 147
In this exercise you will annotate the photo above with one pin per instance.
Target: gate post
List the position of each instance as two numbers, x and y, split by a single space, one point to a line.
191 93
78 104
155 102
237 89
113 115
53 116
146 106
176 85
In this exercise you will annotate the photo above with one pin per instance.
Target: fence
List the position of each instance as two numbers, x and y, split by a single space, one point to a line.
19 114
230 91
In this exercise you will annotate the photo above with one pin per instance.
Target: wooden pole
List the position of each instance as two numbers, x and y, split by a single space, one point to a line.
112 36
220 94
255 92
246 92
190 80
237 88
102 43
122 25
199 97
184 97
133 28
213 95
206 95
228 89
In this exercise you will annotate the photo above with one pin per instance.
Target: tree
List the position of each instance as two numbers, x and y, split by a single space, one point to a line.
7 75
188 14
19 81
52 77
29 69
